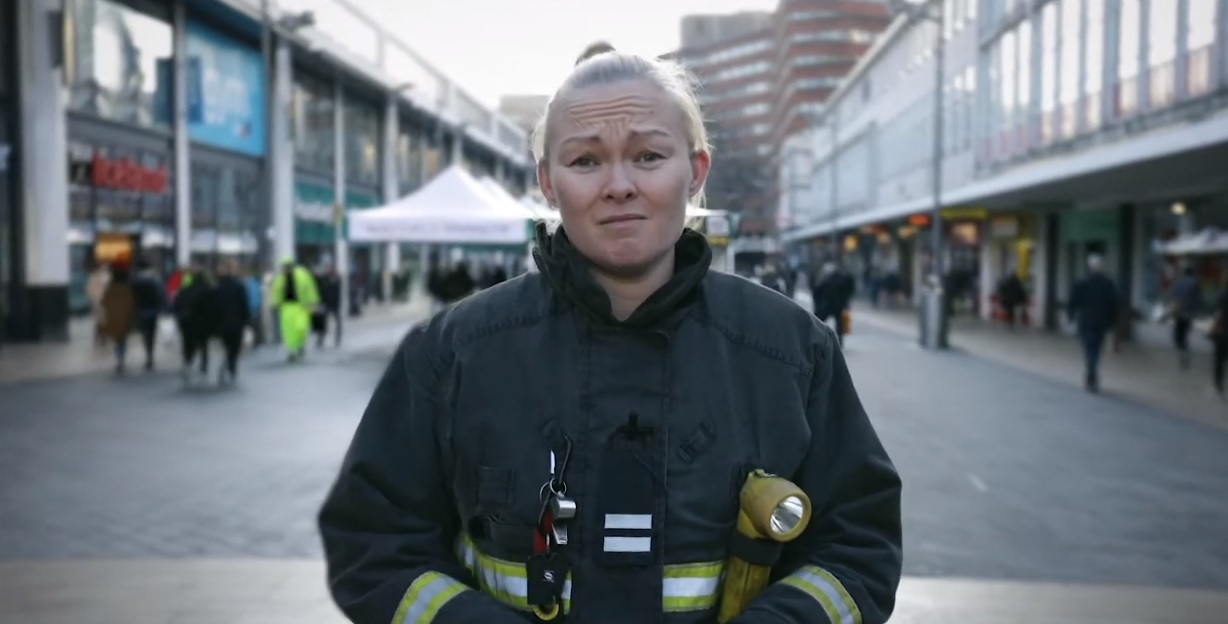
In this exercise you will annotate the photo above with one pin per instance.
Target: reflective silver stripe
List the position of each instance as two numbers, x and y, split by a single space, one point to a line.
425 596
505 580
629 521
828 592
628 544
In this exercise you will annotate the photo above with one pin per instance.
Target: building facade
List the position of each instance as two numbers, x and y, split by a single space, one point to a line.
199 131
1066 127
763 74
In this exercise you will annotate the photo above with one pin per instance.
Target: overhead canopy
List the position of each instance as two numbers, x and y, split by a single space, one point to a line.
1207 242
453 208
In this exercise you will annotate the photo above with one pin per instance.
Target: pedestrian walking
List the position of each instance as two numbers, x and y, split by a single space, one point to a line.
294 296
233 318
150 303
1186 304
329 283
118 314
1093 307
195 309
1219 336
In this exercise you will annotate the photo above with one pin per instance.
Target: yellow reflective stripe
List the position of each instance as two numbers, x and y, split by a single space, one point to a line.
828 592
691 586
686 587
425 597
505 581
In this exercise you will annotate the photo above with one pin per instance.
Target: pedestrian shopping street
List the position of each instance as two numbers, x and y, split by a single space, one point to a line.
134 500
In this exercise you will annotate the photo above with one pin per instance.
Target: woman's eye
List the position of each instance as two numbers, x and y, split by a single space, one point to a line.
651 157
583 161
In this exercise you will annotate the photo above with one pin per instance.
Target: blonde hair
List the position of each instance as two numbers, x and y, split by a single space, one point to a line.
601 65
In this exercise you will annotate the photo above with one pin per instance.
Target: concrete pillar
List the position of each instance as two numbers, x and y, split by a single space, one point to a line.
341 251
391 190
43 313
1182 63
183 164
281 153
990 272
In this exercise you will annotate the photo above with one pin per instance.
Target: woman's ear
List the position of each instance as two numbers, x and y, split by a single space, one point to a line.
701 164
543 182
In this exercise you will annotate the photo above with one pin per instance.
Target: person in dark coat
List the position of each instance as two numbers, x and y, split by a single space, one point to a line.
233 318
195 310
628 369
329 284
150 304
1011 295
831 296
1093 307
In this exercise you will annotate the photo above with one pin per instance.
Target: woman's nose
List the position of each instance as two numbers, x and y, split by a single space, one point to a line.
620 186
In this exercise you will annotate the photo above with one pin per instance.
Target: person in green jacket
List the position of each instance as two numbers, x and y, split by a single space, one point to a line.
294 295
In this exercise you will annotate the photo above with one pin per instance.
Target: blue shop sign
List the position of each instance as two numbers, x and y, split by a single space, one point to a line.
225 91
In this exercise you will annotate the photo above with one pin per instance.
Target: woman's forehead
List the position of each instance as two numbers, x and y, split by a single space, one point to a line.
624 105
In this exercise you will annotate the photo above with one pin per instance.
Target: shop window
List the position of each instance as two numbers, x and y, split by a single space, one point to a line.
226 220
119 64
121 206
362 144
314 125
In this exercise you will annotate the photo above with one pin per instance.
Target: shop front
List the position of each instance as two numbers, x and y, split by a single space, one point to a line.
120 186
226 124
314 232
1010 247
121 204
363 156
1177 235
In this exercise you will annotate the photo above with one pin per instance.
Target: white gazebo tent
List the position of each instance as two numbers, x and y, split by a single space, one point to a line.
543 212
452 209
507 199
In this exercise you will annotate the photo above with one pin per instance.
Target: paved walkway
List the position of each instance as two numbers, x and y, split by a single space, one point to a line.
293 592
80 356
1146 374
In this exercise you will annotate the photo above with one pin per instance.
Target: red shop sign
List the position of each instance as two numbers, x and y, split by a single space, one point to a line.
126 175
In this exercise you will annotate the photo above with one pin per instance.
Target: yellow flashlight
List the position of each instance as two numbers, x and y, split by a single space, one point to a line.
772 511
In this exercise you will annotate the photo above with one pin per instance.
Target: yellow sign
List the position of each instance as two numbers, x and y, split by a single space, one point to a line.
971 214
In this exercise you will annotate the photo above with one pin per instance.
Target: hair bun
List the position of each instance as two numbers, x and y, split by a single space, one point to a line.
600 47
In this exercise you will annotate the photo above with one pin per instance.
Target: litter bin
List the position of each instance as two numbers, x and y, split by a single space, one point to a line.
934 319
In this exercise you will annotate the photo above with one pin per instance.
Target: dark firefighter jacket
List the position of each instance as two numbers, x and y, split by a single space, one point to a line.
433 514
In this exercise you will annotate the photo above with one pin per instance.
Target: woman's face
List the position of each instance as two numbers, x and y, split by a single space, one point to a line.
621 171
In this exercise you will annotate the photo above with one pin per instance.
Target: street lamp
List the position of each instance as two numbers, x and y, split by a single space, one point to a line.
934 318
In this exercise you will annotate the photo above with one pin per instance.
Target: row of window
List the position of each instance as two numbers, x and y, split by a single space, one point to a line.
1047 76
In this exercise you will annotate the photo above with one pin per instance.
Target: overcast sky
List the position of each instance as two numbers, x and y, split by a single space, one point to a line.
496 47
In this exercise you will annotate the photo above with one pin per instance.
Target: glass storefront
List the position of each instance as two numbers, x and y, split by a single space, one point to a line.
120 61
226 215
362 144
313 124
314 233
225 108
120 206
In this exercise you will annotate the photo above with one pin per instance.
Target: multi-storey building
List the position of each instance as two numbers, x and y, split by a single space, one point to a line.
762 74
195 131
1068 128
523 110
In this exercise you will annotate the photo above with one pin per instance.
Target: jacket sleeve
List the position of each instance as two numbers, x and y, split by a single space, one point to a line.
389 523
845 568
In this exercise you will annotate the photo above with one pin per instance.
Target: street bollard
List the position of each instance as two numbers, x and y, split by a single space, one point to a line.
934 319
